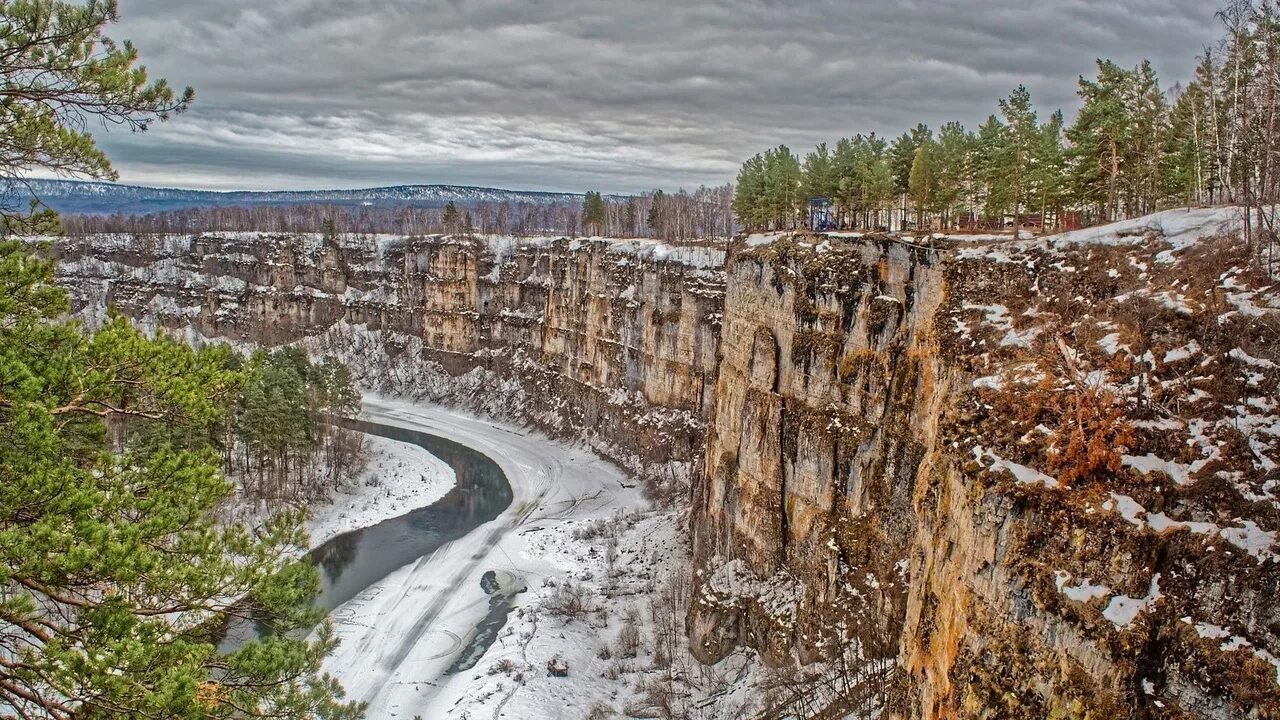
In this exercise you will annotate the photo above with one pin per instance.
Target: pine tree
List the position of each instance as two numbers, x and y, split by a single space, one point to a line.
1100 133
861 179
875 181
449 219
630 216
338 395
783 186
749 194
923 182
818 173
1020 120
1047 174
62 74
657 217
1189 160
844 162
276 420
955 171
1149 120
995 157
768 191
594 213
117 572
902 154
1131 149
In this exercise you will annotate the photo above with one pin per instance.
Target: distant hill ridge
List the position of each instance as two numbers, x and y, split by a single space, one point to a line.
74 196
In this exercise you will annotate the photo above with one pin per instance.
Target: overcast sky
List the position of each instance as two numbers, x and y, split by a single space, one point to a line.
616 95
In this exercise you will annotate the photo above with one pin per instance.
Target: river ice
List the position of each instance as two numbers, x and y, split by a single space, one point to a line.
401 634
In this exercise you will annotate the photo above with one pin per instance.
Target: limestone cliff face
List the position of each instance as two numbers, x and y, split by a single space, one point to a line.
821 419
1026 479
982 482
614 342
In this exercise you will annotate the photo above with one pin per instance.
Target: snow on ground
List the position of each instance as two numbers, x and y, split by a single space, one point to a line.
625 648
1122 610
1021 473
1084 591
597 563
701 257
761 239
1168 321
402 634
398 477
1180 227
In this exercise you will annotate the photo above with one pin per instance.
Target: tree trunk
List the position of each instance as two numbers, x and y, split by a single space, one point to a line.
1112 200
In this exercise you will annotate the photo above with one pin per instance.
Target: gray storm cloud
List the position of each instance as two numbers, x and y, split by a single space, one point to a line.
610 94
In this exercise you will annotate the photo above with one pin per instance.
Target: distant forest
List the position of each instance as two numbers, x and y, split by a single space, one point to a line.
705 213
1132 148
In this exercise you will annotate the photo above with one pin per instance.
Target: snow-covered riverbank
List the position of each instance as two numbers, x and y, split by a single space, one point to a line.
400 635
605 597
398 478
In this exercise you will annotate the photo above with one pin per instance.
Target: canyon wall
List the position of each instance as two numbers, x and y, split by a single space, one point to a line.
614 343
1014 479
824 410
1020 479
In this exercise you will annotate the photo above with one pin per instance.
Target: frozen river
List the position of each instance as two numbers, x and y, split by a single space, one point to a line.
420 595
353 561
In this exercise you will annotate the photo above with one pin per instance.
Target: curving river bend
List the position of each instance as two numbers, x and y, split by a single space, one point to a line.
353 561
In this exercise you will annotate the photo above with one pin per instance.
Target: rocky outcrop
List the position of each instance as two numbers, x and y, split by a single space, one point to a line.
824 411
1002 471
1019 479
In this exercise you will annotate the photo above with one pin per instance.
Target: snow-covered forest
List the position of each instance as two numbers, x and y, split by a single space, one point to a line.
702 214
